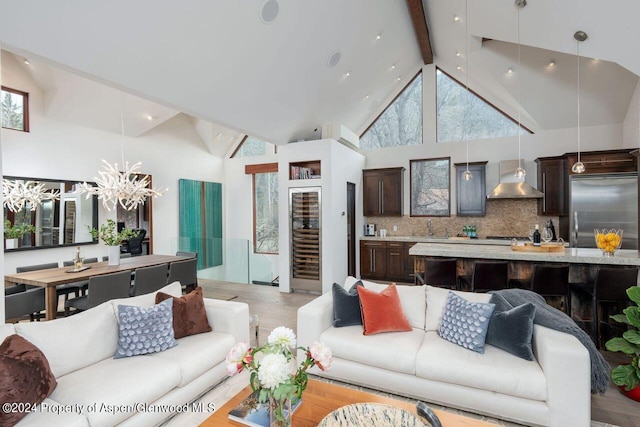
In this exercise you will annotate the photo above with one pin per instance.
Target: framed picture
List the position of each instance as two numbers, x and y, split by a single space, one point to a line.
430 187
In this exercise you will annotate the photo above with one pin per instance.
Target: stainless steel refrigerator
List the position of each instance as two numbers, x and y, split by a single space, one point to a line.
603 201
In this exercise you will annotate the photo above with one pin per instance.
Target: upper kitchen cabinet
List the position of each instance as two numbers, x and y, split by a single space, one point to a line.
382 191
471 194
604 161
552 183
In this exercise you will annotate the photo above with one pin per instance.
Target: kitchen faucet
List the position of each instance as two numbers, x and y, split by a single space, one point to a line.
429 227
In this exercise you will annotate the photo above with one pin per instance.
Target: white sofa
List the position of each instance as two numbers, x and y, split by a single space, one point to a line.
80 351
552 390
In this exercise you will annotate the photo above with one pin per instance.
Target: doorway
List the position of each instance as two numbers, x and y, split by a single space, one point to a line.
351 229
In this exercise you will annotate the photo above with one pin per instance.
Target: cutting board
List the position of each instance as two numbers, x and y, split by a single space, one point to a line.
528 247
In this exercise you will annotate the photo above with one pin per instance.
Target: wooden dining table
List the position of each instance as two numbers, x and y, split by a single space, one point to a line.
52 277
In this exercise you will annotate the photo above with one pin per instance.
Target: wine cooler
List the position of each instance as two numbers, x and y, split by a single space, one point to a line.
304 214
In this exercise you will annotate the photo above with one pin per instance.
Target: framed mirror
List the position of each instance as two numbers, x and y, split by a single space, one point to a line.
58 223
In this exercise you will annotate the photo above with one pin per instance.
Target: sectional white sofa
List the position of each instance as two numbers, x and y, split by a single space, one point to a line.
553 390
80 351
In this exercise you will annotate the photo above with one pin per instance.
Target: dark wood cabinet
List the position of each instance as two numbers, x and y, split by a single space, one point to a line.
408 263
471 195
383 192
373 259
604 161
395 261
552 181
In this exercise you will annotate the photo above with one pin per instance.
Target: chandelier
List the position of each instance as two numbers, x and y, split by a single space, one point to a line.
115 187
127 188
17 193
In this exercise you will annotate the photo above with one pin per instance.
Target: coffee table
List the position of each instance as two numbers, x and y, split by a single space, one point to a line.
320 398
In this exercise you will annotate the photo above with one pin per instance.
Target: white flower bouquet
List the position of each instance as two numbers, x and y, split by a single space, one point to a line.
274 370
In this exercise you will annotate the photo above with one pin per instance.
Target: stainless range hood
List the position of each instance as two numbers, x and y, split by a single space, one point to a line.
511 187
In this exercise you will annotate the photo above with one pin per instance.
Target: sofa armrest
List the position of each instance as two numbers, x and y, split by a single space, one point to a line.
228 316
314 318
567 369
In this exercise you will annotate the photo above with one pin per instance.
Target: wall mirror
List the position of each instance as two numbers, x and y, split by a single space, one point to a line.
57 223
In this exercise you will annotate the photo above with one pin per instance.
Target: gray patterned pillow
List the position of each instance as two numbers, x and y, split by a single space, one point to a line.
145 330
465 323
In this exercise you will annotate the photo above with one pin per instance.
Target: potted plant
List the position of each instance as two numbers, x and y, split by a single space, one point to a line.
109 234
627 377
13 232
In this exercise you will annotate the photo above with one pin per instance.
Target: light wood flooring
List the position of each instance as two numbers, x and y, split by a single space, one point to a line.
279 309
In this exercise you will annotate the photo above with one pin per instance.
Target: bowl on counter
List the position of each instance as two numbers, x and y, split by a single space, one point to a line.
608 241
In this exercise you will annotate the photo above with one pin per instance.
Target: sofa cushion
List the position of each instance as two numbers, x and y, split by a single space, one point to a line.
196 354
395 351
465 323
144 330
189 315
89 337
62 418
111 383
412 299
346 305
511 328
25 377
382 311
436 300
495 370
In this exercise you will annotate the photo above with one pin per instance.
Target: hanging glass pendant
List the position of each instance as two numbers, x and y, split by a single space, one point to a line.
578 167
520 172
467 175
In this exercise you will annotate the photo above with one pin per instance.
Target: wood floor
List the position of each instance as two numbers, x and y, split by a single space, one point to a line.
279 309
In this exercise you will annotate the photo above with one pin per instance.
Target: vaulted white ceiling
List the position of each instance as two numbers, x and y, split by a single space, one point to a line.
220 63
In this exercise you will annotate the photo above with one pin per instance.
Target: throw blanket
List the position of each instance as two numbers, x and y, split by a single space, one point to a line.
553 318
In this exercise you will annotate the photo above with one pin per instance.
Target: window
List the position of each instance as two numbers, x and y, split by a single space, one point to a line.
462 114
400 123
265 207
251 146
430 187
15 109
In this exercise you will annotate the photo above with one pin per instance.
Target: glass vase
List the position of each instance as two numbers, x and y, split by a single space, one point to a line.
279 412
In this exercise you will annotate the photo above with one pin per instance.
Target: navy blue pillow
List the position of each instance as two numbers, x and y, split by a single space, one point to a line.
511 328
346 305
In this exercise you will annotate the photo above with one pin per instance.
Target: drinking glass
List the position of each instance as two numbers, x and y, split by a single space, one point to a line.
546 235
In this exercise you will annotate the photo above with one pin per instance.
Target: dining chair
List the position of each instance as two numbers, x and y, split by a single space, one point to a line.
185 272
36 267
81 286
101 288
149 279
133 246
21 303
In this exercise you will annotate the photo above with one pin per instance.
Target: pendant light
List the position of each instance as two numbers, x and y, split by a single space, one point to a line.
466 175
115 187
18 194
520 172
580 36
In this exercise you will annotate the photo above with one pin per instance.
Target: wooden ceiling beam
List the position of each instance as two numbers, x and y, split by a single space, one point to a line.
419 20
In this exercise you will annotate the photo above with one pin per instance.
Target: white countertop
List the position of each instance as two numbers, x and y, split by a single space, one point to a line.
570 255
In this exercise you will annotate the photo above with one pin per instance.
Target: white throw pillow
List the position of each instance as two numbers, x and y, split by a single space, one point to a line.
437 299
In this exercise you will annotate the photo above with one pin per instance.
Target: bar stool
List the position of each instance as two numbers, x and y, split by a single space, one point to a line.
489 276
610 291
552 281
441 272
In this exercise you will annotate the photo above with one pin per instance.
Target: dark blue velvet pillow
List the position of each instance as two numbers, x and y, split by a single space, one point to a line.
511 328
346 305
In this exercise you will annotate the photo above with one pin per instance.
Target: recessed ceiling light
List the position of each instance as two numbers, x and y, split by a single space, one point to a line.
393 66
552 63
366 97
458 68
26 61
219 135
347 74
456 18
269 11
149 117
399 77
458 54
378 36
334 59
596 59
510 71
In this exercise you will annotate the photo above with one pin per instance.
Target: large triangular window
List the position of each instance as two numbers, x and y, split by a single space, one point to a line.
462 114
400 123
251 146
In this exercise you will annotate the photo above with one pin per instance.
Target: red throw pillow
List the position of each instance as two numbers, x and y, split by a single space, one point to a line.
189 315
25 378
382 312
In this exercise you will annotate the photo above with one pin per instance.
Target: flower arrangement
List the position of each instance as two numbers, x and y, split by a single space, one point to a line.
274 370
110 236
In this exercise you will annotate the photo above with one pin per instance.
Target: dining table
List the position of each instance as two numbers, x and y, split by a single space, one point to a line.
52 277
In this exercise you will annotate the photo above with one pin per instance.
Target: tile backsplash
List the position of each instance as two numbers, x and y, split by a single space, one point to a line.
504 217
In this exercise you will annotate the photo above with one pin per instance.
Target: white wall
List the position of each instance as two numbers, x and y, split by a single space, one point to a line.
54 149
631 126
2 269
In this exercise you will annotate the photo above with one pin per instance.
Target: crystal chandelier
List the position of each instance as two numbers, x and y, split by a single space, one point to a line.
114 187
17 193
